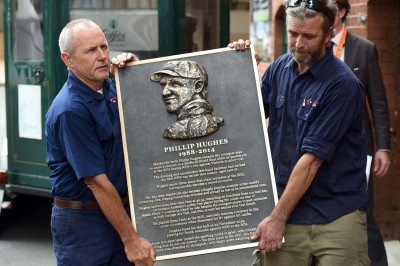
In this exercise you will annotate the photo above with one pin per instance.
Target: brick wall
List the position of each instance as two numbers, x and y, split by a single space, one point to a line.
354 20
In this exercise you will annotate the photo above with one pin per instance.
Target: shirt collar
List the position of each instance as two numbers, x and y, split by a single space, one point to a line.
336 39
318 69
85 91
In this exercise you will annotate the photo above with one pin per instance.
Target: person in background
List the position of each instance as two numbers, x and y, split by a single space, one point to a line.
90 222
315 106
362 57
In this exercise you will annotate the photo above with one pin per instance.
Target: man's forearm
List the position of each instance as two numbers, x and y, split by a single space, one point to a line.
111 205
300 179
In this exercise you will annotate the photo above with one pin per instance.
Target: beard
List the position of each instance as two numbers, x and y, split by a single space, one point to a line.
305 56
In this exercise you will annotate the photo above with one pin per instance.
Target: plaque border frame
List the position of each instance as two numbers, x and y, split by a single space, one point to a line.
126 155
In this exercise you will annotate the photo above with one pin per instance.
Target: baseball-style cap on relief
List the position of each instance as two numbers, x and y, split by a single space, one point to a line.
184 69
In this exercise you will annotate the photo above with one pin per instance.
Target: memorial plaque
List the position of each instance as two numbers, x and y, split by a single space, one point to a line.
196 151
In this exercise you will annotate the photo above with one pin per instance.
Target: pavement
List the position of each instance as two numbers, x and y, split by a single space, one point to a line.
393 252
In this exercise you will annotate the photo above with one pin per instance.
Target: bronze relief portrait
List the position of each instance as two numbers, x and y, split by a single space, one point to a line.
184 93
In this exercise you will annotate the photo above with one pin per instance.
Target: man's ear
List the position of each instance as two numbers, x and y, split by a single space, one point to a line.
331 33
66 59
341 12
198 86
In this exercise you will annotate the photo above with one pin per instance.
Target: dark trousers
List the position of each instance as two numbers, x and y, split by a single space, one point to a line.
376 247
85 238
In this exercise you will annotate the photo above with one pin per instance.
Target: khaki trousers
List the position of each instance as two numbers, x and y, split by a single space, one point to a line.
342 242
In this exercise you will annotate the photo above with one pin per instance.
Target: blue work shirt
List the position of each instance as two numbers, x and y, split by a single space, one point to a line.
83 136
319 112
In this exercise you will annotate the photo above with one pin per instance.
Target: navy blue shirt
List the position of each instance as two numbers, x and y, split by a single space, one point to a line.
83 136
318 112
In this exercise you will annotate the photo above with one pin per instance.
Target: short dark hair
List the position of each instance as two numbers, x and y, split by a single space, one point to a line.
343 4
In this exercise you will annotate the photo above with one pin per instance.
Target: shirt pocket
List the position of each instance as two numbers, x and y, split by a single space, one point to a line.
277 100
307 113
280 99
105 132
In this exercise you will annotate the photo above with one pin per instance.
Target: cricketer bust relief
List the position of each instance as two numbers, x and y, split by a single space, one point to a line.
184 93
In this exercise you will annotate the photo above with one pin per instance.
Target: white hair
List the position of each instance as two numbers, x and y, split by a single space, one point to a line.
65 41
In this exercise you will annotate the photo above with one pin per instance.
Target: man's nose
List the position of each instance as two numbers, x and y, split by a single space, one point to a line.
299 42
102 54
166 91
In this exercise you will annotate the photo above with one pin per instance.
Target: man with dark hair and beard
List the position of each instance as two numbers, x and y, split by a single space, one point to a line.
315 107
